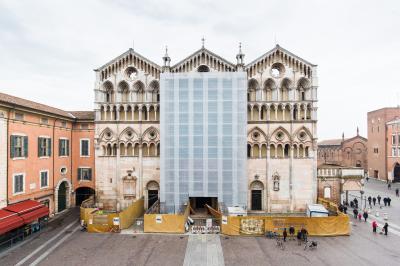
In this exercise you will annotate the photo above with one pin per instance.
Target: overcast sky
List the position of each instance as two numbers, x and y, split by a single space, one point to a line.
48 49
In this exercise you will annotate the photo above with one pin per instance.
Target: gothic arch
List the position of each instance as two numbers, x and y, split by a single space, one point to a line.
150 129
303 128
126 130
280 128
104 132
257 129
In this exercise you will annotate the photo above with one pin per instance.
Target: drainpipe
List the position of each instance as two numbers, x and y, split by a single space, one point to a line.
7 153
53 161
71 157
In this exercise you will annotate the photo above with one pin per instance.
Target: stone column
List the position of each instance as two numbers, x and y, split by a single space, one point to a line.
291 179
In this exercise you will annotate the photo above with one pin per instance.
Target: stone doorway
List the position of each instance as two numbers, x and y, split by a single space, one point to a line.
62 196
396 173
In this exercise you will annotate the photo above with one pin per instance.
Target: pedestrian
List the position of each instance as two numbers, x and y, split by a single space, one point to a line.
385 228
351 204
304 234
340 208
388 201
374 200
374 226
291 232
355 212
284 234
397 192
379 199
345 209
365 215
367 178
299 237
359 217
356 202
389 186
369 201
385 201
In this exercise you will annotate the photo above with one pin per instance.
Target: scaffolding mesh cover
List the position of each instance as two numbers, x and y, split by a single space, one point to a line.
203 138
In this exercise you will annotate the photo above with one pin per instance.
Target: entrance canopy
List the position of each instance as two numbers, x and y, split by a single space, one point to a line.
28 210
9 221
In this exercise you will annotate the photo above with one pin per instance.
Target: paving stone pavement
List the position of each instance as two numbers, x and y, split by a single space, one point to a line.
204 250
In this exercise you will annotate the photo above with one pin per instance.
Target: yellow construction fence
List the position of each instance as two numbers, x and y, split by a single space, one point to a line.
166 223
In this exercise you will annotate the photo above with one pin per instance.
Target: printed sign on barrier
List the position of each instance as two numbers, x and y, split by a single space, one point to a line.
224 220
159 219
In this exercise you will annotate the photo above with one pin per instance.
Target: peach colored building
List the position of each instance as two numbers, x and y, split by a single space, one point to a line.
46 154
379 142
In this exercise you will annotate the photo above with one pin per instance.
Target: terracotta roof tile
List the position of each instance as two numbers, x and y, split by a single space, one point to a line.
9 99
83 115
329 142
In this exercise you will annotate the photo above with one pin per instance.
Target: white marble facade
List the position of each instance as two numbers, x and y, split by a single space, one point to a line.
282 127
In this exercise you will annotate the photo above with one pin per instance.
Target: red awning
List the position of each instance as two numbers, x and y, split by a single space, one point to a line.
24 206
9 221
35 214
29 210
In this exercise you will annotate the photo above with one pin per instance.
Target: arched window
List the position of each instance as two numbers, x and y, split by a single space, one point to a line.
256 151
287 151
129 150
327 192
203 68
136 150
272 151
248 150
122 149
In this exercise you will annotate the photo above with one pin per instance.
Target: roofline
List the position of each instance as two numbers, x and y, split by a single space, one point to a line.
37 111
206 50
129 51
383 108
278 47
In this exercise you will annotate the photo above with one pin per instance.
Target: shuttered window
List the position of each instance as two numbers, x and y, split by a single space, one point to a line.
84 174
44 147
63 147
44 179
18 146
84 147
18 183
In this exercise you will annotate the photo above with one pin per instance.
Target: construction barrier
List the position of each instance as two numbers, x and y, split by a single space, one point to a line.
166 223
259 225
99 222
134 211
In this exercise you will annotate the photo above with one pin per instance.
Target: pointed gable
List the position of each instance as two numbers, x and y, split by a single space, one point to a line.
203 56
279 54
129 58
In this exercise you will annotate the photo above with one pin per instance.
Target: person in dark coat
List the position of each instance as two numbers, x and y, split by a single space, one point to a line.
397 192
370 201
374 200
385 201
291 232
385 228
299 237
284 234
389 186
379 199
355 212
355 202
345 209
388 201
365 215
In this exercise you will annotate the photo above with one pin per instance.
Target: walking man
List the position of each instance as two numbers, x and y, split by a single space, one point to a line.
385 228
284 235
374 200
355 212
397 192
385 201
388 201
389 185
365 215
374 226
369 201
379 199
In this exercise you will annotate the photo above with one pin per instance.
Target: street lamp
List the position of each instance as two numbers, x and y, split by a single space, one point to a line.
362 192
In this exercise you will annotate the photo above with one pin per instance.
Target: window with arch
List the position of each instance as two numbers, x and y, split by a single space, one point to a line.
327 192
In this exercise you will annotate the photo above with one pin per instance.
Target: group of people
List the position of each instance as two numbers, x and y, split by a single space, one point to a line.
372 200
301 234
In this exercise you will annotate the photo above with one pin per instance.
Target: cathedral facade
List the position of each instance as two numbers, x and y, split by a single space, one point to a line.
281 165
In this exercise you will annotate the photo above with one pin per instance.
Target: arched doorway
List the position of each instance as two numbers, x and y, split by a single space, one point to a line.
256 188
152 193
396 173
62 197
82 194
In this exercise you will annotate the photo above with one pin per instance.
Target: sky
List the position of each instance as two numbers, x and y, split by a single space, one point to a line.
49 48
